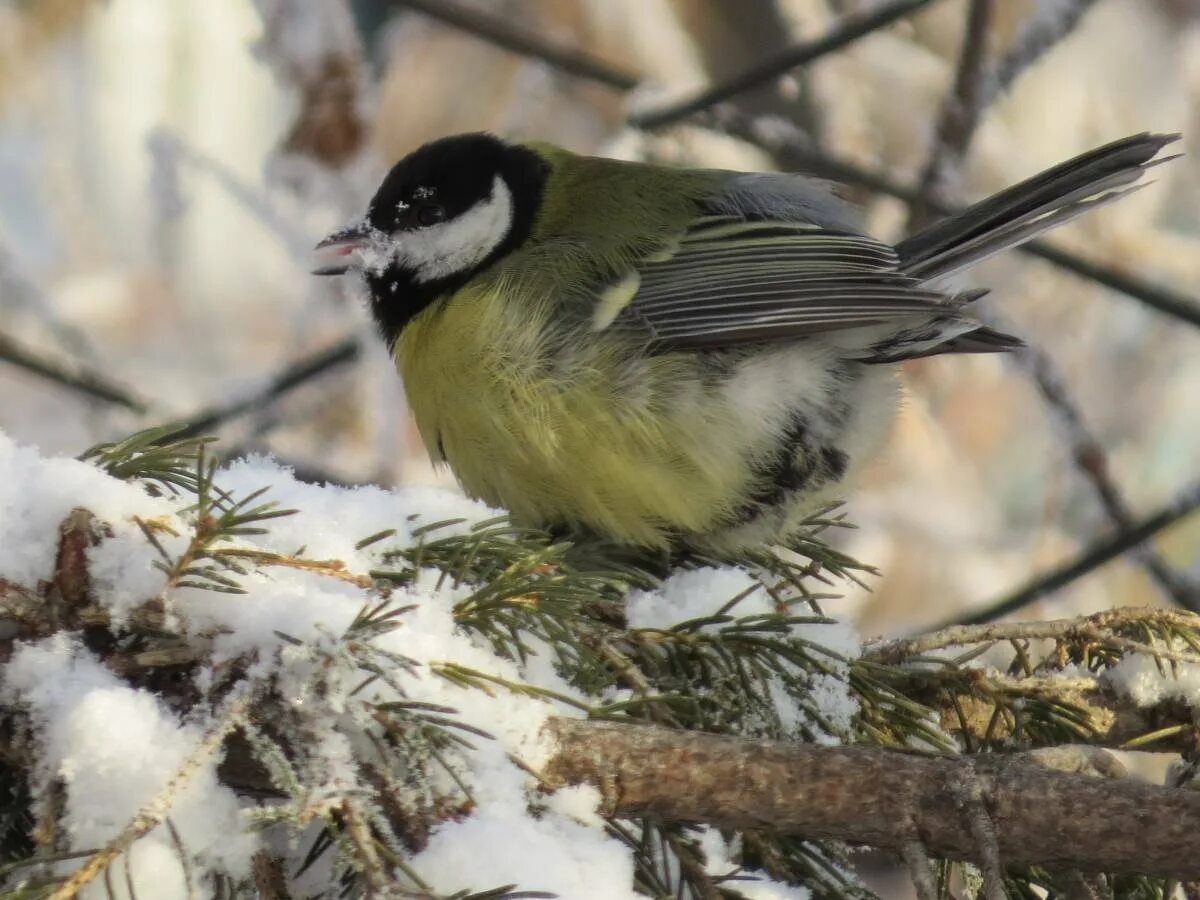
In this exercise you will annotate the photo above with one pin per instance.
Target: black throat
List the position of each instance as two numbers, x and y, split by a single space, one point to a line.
397 297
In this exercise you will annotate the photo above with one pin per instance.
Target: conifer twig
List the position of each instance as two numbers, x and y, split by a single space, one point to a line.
333 568
1098 626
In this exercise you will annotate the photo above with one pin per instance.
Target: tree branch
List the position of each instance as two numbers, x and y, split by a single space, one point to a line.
791 148
293 376
959 117
1165 300
90 384
1090 558
1091 627
841 35
1037 35
497 31
1091 461
818 793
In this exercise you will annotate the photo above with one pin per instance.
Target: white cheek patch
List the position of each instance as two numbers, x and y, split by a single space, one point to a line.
460 244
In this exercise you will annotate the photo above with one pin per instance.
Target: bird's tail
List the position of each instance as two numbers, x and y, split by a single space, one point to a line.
1024 211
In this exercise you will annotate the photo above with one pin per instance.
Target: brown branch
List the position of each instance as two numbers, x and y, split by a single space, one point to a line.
819 793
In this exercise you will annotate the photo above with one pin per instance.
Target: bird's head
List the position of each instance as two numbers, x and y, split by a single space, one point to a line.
442 214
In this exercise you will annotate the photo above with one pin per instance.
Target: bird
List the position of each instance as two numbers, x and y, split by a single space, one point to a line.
665 357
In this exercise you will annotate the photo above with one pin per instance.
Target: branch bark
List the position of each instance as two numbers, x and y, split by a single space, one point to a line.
820 793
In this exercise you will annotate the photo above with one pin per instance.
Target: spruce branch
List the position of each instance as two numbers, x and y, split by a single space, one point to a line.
1105 628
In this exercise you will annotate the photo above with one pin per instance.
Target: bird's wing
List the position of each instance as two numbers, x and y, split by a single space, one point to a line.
733 279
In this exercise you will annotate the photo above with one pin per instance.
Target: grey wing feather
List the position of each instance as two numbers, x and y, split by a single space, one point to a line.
787 198
780 257
733 280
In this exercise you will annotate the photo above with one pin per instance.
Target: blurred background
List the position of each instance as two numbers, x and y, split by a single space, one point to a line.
165 169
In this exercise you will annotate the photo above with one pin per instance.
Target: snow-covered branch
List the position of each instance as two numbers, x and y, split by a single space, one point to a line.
200 666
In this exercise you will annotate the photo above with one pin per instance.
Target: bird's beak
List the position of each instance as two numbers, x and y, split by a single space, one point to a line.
335 252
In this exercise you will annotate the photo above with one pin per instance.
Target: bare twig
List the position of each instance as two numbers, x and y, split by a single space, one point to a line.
1091 558
90 384
293 376
841 35
495 30
170 149
1091 462
1038 34
1175 304
976 84
817 792
959 117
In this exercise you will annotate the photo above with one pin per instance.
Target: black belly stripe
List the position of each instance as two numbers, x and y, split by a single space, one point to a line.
794 466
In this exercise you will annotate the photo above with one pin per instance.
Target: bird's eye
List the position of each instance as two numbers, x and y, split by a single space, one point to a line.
430 214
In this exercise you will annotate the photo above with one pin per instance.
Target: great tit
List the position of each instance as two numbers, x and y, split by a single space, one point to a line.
669 357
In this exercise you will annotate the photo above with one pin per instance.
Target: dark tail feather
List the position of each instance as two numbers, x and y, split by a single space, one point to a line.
1024 211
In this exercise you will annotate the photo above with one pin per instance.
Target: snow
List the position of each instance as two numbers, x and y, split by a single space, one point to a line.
695 594
36 494
114 746
1138 677
698 593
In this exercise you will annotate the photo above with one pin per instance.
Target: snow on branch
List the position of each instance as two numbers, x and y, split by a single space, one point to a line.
227 682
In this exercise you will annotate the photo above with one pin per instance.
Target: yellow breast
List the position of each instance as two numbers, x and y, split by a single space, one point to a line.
632 447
